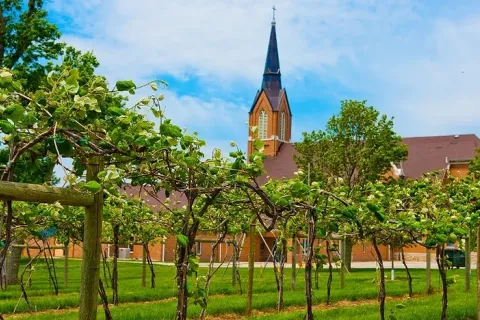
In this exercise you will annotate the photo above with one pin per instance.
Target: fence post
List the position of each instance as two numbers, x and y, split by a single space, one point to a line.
65 266
467 261
251 266
294 262
144 267
428 271
342 263
92 247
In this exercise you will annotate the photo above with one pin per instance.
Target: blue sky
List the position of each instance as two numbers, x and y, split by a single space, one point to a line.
418 61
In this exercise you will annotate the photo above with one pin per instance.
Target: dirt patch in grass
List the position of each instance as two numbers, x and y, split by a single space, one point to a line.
66 310
293 309
228 316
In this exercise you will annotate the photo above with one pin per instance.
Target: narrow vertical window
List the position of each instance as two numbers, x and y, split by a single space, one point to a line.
262 125
282 127
198 248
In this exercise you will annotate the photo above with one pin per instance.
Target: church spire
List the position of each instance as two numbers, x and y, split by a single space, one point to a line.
270 111
271 75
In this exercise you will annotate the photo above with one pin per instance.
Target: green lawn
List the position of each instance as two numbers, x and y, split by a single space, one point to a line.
138 303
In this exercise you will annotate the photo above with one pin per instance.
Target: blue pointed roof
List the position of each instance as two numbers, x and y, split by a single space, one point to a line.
271 75
272 81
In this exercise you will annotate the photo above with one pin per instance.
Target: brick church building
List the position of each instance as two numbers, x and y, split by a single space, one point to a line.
272 114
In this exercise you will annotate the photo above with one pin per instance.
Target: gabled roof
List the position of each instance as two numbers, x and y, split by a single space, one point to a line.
274 101
426 154
282 165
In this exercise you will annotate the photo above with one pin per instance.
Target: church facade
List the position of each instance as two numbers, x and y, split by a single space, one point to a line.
271 113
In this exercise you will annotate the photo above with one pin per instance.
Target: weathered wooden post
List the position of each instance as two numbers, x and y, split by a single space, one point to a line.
294 261
251 265
478 272
92 247
468 264
342 263
144 267
234 262
65 266
429 271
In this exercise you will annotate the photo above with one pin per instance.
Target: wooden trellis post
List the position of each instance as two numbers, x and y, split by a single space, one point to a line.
92 247
14 191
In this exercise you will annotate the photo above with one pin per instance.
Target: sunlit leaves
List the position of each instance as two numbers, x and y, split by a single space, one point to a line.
92 186
182 240
125 85
14 112
71 83
6 126
170 130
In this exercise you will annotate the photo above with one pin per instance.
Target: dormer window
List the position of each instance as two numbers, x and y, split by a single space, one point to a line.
262 125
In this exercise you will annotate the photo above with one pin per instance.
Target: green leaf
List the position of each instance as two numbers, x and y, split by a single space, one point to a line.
258 144
154 86
400 306
172 141
65 148
235 167
92 186
376 212
441 238
349 212
6 127
116 111
170 130
72 82
460 231
182 240
14 112
299 189
125 85
190 161
79 167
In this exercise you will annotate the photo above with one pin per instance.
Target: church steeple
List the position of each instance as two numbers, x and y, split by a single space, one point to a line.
271 75
270 111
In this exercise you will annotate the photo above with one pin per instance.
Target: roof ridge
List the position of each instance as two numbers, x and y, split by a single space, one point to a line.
441 136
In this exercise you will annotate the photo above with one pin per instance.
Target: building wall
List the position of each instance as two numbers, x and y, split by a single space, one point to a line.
366 252
459 170
272 143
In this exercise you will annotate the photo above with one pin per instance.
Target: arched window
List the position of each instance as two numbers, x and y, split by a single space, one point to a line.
282 126
262 125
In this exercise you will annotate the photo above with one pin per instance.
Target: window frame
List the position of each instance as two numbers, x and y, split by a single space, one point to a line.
263 125
282 126
198 248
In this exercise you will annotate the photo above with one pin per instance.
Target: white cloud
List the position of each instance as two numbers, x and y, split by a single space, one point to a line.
225 39
437 93
407 59
215 120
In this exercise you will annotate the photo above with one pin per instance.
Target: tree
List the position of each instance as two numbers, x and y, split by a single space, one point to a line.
26 37
358 145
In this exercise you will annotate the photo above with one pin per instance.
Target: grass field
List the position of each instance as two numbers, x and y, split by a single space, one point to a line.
356 301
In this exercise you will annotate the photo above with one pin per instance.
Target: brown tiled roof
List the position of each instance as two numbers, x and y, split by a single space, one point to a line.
426 154
177 199
282 165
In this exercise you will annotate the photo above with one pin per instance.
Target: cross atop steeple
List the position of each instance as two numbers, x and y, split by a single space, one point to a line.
273 8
